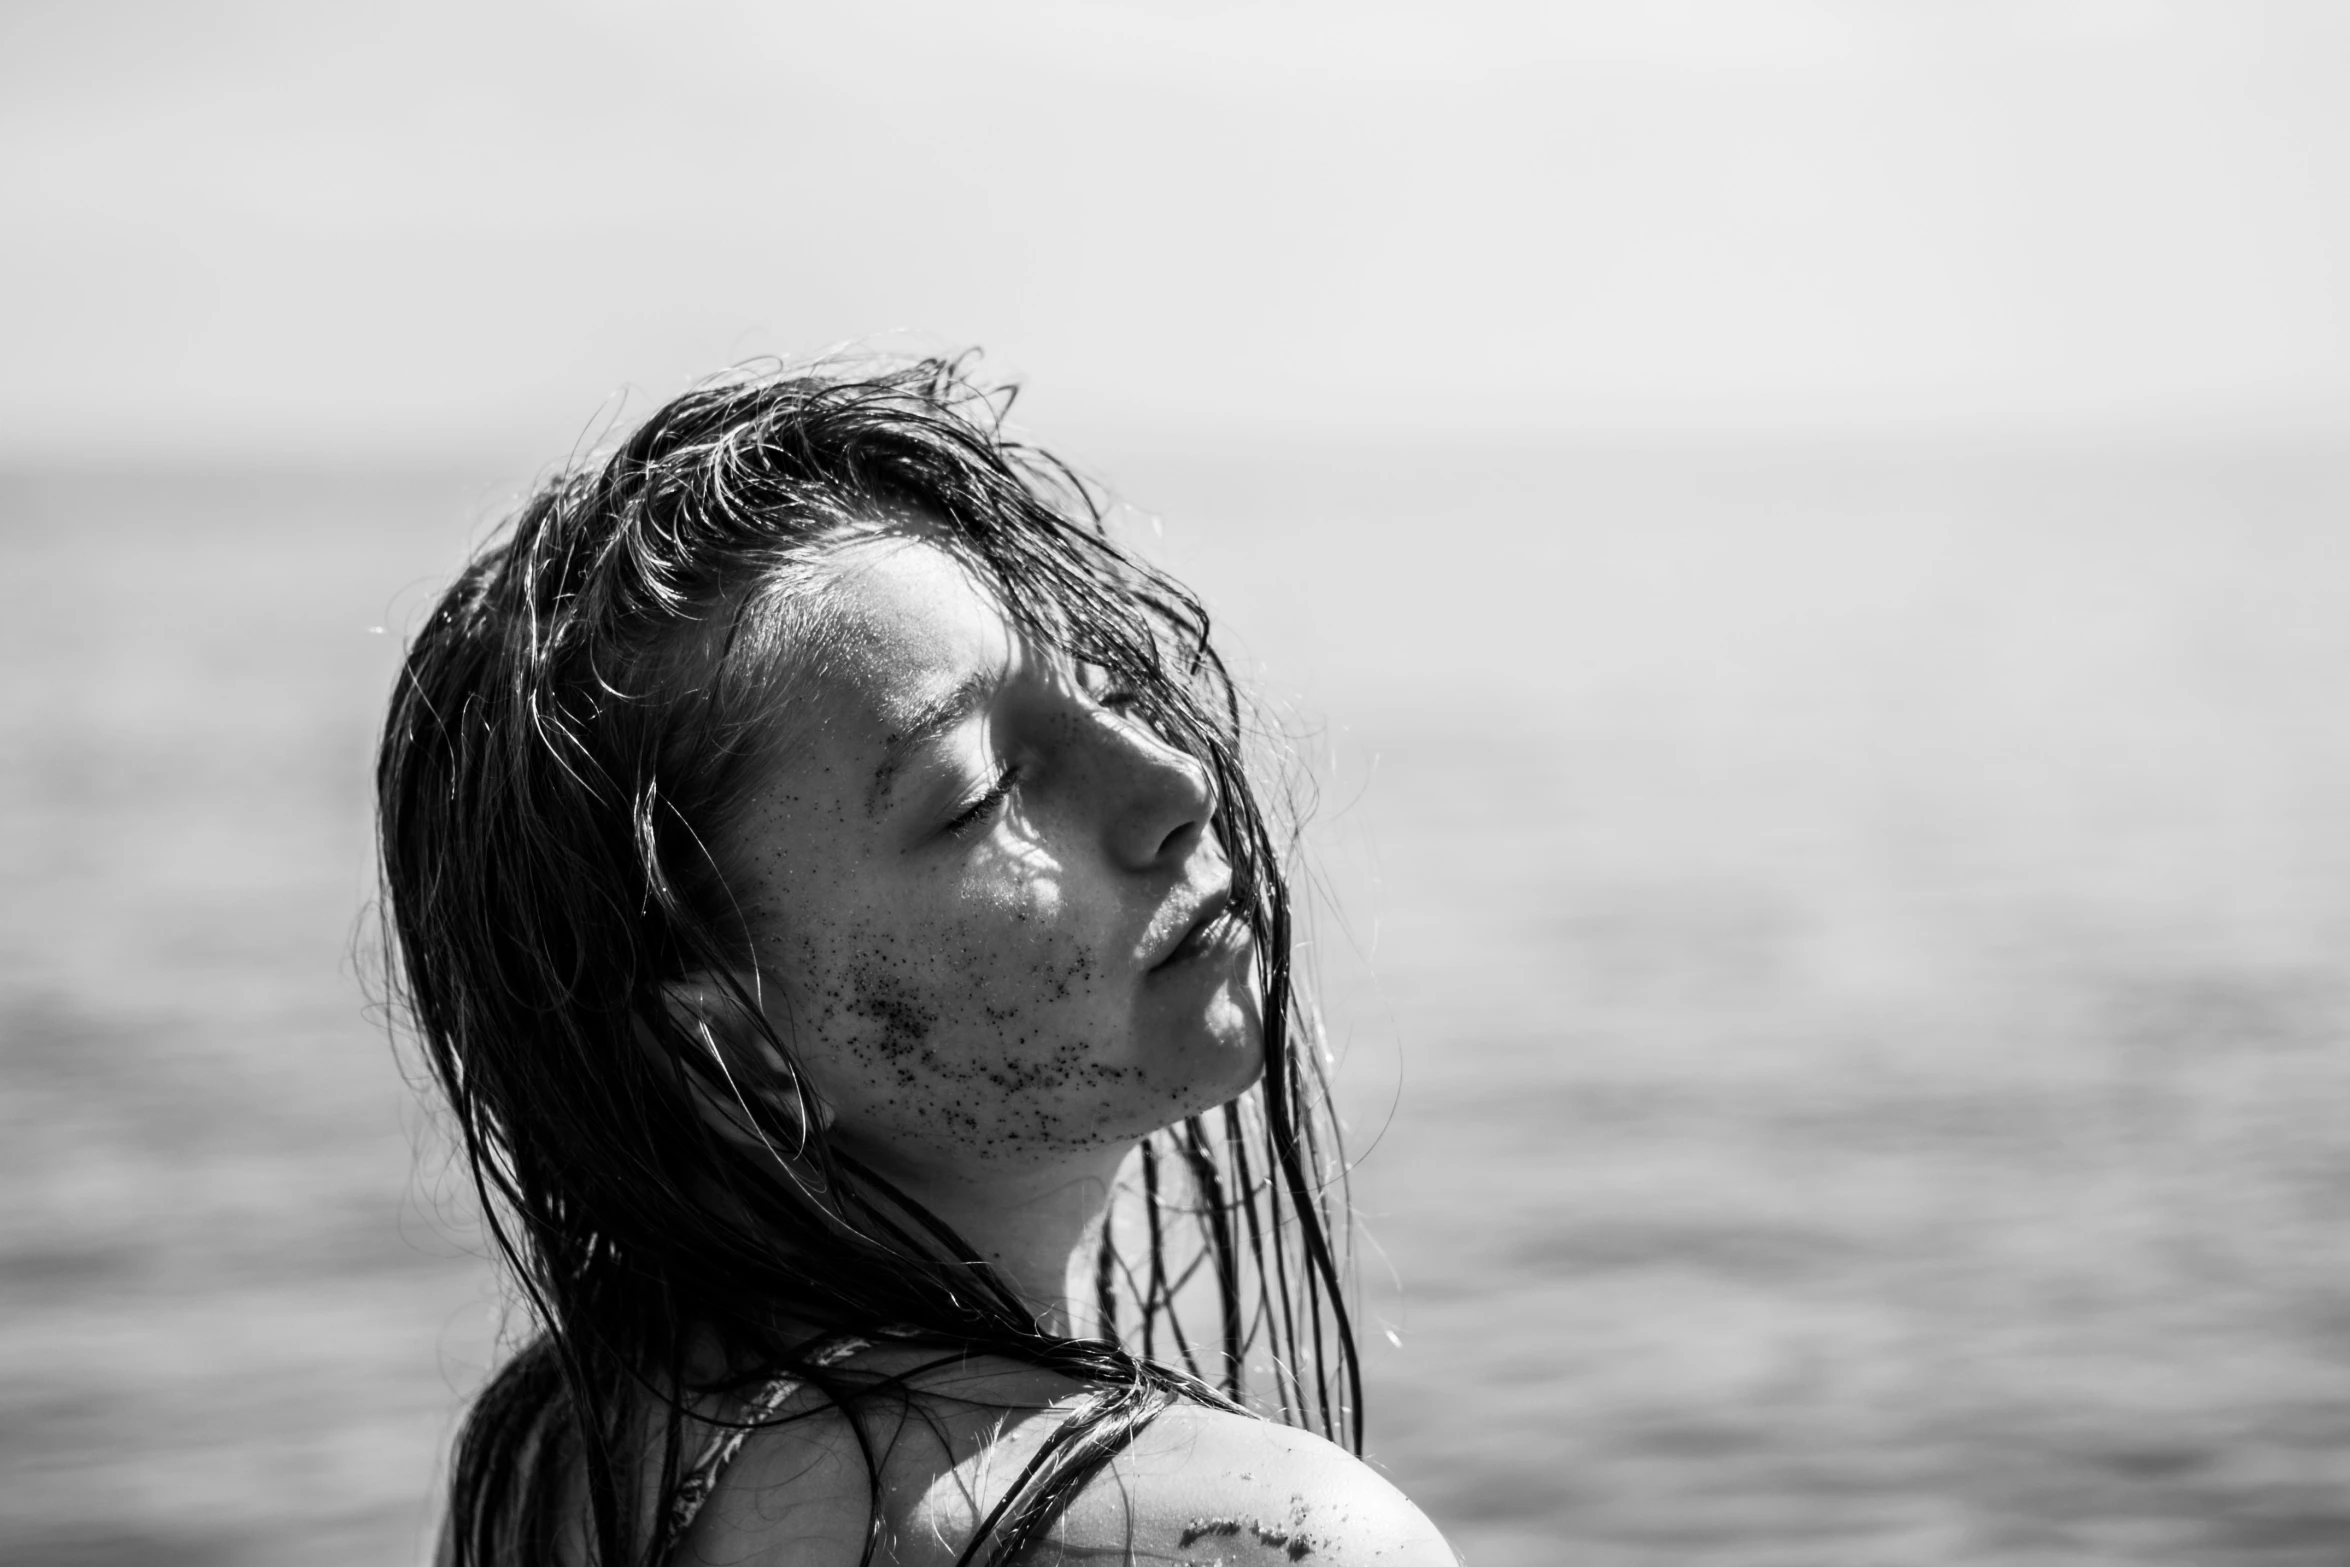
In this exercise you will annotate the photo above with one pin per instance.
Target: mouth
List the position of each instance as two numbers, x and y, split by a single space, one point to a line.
1215 926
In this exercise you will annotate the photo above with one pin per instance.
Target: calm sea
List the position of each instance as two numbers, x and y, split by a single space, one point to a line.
1841 960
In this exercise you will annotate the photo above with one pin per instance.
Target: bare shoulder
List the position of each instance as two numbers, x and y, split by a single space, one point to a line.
1199 1486
1203 1485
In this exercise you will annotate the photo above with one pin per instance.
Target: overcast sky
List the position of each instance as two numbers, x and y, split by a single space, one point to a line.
337 227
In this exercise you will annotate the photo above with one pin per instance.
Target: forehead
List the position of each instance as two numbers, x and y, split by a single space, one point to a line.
891 627
902 620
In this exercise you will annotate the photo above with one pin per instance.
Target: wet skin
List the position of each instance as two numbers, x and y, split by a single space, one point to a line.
972 879
978 890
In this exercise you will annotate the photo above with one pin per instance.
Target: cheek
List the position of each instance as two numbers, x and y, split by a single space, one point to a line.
983 1016
986 966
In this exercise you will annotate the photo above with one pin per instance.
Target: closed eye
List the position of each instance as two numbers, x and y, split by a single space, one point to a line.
974 816
1103 691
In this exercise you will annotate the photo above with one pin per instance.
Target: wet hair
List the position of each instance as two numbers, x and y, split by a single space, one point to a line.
577 720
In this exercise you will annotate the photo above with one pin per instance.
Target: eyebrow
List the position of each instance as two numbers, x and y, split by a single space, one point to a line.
932 719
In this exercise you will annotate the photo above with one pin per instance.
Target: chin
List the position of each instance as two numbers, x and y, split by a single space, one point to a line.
1226 1056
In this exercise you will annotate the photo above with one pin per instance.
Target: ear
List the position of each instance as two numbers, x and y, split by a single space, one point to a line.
741 1068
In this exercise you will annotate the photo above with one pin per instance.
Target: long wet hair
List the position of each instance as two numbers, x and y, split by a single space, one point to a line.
576 721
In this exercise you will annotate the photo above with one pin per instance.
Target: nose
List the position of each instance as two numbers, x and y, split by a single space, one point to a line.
1163 798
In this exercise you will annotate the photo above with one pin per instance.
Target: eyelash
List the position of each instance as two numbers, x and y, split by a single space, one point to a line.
1095 681
978 810
1116 699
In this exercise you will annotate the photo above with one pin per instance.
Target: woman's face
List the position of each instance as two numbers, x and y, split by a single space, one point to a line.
989 900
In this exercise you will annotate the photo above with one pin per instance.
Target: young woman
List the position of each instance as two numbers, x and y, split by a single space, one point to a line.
827 889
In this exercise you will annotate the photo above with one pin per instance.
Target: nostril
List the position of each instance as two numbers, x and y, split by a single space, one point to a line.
1165 798
1172 807
1180 841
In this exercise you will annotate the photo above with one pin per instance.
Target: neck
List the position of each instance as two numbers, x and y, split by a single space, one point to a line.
1037 1227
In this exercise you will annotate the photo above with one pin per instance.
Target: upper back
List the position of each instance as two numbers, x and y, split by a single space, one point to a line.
1197 1484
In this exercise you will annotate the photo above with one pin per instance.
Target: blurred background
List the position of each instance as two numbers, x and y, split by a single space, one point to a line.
1807 543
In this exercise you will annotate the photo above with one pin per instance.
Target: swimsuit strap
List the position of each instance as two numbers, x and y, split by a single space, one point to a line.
727 1441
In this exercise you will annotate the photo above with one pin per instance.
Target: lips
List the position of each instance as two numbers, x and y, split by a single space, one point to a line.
1206 931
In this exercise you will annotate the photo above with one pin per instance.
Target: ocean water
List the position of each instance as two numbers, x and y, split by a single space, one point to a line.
1840 960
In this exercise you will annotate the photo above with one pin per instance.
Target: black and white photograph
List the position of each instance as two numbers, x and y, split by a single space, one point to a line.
1051 783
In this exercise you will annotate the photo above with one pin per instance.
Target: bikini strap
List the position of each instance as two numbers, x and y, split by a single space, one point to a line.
725 1442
